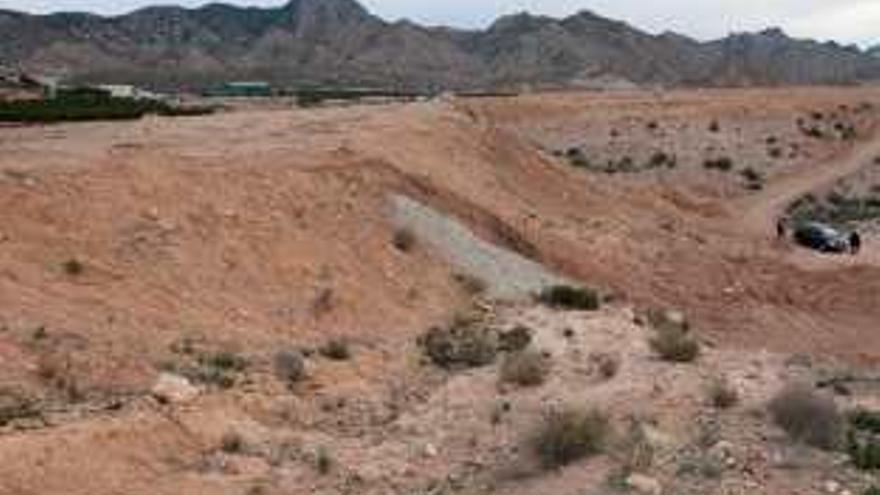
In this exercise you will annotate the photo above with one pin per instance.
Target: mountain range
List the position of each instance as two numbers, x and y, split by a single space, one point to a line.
339 42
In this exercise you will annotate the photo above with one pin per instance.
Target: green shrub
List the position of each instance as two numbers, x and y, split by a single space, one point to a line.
528 368
569 435
864 420
570 298
87 105
874 490
864 451
808 417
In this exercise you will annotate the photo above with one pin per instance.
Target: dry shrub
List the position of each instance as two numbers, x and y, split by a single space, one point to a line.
290 366
569 435
404 240
606 364
571 298
673 341
466 343
675 346
528 368
516 339
722 395
808 416
336 350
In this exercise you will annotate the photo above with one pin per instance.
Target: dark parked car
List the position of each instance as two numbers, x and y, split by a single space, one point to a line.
821 237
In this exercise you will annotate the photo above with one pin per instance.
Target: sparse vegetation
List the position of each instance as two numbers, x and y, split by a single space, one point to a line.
837 209
466 343
290 366
404 240
675 346
673 340
323 461
863 439
516 339
87 105
606 364
73 267
714 126
527 368
722 395
808 416
754 179
570 298
336 349
219 369
723 164
568 435
661 159
232 443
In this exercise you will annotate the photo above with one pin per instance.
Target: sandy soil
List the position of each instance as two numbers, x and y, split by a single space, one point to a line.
127 249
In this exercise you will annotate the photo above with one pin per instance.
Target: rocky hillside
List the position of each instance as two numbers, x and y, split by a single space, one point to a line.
339 41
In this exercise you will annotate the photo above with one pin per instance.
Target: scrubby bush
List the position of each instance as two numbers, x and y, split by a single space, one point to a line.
714 126
722 395
808 416
218 369
336 349
662 159
723 164
290 366
865 420
73 267
864 451
571 298
673 340
568 435
864 439
404 240
466 343
606 364
874 490
323 460
515 339
528 368
675 345
232 443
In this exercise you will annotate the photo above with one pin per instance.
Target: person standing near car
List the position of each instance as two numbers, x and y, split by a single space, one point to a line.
855 243
781 229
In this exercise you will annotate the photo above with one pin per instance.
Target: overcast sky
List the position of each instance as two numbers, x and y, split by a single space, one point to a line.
847 21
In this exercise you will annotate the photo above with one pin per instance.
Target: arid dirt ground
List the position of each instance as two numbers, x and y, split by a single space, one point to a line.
128 250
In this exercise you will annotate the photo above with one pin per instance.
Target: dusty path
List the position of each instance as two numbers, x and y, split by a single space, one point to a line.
761 211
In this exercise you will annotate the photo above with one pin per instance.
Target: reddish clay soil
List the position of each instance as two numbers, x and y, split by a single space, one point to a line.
253 230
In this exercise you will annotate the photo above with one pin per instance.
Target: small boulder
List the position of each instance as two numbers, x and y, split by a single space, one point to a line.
644 484
174 389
